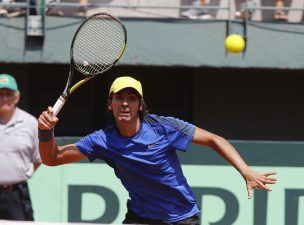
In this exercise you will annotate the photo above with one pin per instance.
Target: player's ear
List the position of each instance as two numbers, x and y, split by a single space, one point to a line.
109 104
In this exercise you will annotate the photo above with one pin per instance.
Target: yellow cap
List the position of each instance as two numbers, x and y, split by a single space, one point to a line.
125 82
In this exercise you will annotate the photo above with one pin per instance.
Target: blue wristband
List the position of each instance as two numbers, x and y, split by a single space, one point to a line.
45 135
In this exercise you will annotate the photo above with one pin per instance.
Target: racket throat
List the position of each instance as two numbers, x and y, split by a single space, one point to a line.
65 95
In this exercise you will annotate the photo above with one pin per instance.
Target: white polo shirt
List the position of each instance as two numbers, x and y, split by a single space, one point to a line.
18 148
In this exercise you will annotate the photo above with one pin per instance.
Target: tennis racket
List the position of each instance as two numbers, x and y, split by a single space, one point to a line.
97 45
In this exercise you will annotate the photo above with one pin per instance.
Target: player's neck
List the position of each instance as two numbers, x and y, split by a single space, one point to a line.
129 129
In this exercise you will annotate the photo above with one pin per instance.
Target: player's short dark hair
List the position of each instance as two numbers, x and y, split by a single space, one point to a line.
144 111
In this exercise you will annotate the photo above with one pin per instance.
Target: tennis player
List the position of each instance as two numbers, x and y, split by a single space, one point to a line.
141 148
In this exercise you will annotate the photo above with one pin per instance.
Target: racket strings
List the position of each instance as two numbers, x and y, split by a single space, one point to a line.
104 54
96 41
97 52
98 45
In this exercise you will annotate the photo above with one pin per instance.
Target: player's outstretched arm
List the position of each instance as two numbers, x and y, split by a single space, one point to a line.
51 154
226 150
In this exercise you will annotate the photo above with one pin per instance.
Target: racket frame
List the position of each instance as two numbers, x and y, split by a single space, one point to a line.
68 90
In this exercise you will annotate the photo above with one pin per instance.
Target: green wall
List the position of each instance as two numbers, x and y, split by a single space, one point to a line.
90 192
164 42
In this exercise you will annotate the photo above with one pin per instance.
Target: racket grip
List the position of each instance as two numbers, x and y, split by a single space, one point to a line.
58 105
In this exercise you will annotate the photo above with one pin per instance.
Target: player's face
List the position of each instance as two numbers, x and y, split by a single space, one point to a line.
8 100
125 106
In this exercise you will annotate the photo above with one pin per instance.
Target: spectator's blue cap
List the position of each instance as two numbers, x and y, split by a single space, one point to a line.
7 81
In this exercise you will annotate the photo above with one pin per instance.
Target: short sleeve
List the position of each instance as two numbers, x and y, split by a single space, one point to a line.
180 133
87 145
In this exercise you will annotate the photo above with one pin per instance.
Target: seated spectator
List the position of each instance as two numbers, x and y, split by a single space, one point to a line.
199 13
82 11
3 11
3 8
245 9
54 10
21 11
16 11
247 5
279 13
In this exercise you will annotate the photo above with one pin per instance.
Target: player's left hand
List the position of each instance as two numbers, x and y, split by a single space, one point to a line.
259 180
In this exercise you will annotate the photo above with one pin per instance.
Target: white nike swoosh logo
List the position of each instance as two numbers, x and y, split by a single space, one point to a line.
150 146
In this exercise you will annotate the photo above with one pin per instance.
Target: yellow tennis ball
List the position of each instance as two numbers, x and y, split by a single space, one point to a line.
234 43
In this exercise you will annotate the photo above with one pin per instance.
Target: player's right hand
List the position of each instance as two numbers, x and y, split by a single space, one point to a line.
47 120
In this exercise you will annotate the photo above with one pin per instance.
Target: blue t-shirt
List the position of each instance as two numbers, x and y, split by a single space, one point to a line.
148 166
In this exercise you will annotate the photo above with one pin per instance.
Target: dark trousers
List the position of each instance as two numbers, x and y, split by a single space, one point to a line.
15 203
132 218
